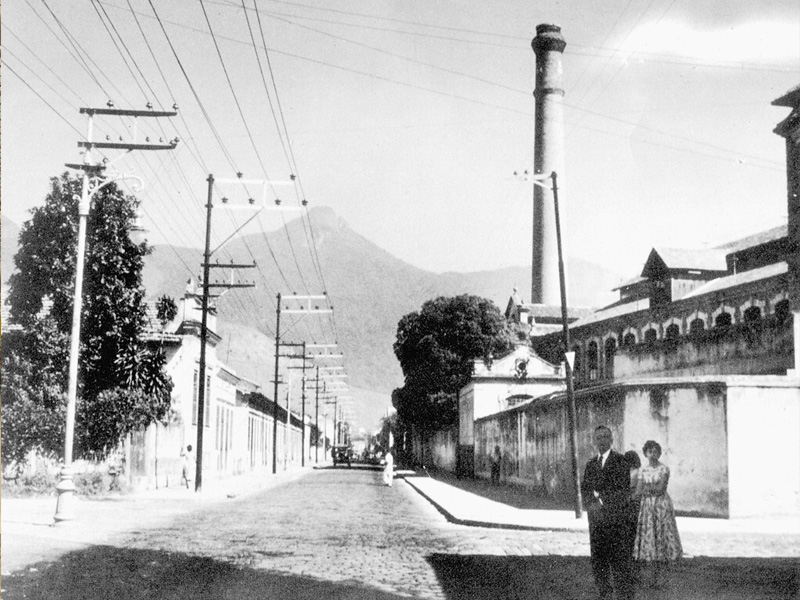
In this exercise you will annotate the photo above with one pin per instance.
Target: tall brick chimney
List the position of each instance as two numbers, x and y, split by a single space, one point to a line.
548 46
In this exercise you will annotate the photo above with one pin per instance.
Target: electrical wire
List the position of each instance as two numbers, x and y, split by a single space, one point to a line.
38 95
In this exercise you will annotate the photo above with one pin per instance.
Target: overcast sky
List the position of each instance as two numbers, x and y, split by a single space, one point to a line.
409 118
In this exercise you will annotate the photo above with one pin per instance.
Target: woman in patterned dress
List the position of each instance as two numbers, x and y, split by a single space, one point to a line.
657 540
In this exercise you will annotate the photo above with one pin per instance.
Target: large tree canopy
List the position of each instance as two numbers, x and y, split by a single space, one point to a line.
122 383
436 348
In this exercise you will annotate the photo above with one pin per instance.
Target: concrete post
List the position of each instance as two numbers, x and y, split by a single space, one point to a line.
548 46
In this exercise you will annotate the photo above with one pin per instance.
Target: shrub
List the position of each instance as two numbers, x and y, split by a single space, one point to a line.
40 483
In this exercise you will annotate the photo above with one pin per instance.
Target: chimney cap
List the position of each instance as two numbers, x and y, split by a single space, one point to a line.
547 28
548 38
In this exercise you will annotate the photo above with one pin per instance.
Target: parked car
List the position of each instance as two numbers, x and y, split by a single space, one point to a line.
341 455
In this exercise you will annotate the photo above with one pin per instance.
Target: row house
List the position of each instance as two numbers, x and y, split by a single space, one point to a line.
238 421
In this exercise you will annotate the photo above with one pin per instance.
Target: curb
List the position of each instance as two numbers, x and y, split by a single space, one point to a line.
488 524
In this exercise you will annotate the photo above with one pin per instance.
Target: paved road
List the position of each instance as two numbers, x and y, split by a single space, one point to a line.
339 533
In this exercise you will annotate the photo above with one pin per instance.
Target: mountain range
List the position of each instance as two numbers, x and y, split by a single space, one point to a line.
370 289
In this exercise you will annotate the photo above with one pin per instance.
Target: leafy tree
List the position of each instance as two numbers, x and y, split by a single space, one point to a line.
166 310
34 371
436 348
122 383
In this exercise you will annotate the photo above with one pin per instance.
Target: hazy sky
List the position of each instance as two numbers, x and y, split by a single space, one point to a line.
409 118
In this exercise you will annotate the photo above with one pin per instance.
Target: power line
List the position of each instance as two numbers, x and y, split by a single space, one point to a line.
233 93
71 40
38 95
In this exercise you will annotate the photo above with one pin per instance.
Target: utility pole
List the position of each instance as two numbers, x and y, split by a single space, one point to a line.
252 205
303 412
301 305
303 400
316 417
275 391
329 370
93 181
334 372
328 402
570 357
568 354
207 285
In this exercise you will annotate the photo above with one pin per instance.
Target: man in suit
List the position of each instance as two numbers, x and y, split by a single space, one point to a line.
605 489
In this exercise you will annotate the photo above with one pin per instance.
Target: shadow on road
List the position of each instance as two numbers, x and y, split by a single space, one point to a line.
104 572
569 578
515 496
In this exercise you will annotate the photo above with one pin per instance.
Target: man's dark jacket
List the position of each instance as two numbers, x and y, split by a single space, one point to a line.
612 482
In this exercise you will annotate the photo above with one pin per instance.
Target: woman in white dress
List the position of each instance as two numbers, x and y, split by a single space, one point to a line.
388 469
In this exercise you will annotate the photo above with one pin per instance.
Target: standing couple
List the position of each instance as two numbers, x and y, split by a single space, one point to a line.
608 497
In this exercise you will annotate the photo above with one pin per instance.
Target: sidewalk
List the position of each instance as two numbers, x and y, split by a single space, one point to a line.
489 506
29 535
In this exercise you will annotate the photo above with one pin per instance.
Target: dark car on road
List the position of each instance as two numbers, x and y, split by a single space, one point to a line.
341 455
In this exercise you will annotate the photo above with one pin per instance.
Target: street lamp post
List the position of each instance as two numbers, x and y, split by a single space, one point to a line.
568 354
91 184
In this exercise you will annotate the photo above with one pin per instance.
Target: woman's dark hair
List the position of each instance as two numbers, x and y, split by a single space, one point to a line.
651 444
632 458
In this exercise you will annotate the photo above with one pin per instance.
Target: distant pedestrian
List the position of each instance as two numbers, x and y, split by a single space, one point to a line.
388 469
187 472
497 459
605 489
657 540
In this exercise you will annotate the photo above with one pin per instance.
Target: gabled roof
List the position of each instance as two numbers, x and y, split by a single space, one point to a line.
681 258
722 283
629 282
508 366
757 239
614 310
790 98
554 311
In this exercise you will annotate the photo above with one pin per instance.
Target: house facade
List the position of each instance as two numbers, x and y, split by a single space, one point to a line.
237 420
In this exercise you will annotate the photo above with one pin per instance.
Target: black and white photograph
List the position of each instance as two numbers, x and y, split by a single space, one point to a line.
371 300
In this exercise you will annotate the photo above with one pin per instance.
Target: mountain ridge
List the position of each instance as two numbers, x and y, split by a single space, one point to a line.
370 289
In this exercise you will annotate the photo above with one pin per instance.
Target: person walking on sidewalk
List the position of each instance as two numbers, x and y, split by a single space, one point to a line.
657 541
187 473
605 489
497 460
388 469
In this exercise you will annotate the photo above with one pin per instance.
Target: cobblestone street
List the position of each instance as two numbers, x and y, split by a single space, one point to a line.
339 533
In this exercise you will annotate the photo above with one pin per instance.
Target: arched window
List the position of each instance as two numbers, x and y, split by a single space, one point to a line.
629 340
650 336
697 327
673 332
782 312
592 359
752 314
610 351
724 319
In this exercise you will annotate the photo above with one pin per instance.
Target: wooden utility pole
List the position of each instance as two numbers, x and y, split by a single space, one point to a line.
301 305
316 417
304 358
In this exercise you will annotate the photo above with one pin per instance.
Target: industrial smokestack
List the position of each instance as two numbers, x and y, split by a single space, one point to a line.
548 46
